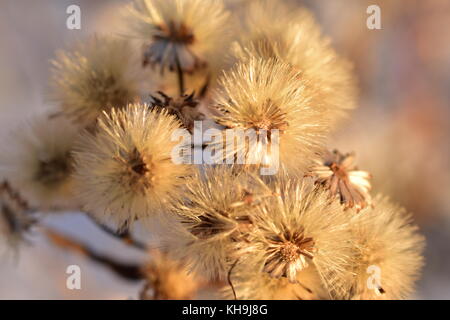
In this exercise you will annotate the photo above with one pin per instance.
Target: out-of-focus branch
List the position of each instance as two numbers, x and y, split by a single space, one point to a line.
125 236
180 76
132 272
168 279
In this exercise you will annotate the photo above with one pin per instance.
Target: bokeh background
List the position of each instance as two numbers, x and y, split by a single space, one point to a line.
400 132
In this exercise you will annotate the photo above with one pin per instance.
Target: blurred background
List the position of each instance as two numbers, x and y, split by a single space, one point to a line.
400 132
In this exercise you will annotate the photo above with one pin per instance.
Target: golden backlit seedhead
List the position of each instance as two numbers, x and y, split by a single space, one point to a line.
95 76
125 171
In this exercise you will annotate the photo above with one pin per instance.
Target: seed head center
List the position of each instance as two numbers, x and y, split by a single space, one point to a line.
289 252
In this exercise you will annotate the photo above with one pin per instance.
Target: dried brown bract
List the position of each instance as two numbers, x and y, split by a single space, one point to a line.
339 174
185 108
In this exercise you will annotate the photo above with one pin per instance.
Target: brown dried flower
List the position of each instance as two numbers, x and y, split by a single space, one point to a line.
288 253
159 53
185 108
338 173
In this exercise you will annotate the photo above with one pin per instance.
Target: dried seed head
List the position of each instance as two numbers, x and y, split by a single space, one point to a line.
125 171
39 163
328 78
170 48
179 33
338 174
300 227
387 253
216 215
97 76
185 108
287 254
249 283
265 95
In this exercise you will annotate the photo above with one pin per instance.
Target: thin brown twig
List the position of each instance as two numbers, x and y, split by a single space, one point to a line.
132 272
229 277
124 236
127 271
304 287
205 87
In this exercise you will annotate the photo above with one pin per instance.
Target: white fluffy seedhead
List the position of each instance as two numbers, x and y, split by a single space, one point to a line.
125 171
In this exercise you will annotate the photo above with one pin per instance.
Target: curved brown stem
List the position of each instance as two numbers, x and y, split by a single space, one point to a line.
229 278
124 236
132 272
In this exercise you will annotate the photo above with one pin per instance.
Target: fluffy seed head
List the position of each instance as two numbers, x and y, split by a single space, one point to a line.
184 34
38 162
388 253
338 174
216 214
250 284
265 95
125 171
95 77
300 227
328 78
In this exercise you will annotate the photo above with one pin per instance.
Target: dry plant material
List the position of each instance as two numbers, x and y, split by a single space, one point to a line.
109 149
339 174
15 218
125 172
168 279
185 108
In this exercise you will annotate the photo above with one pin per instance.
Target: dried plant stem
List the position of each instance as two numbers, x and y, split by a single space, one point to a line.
125 236
180 76
205 87
132 272
229 278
